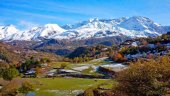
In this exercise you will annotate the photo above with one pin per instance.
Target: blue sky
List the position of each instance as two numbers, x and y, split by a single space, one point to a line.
30 13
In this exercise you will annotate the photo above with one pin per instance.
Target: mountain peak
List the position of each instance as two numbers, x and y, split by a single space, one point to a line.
93 19
140 19
51 25
136 26
8 31
54 27
139 23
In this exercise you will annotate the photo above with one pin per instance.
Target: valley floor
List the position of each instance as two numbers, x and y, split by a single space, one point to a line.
63 86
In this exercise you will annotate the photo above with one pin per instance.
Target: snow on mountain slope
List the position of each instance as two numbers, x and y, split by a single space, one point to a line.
135 26
8 31
140 24
47 31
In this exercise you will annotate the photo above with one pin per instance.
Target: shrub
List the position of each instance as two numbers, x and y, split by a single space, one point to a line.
63 65
119 58
30 63
25 88
130 50
10 73
146 78
162 48
89 92
16 88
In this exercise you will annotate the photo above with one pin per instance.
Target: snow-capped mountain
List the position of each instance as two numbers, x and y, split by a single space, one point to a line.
47 31
136 26
6 32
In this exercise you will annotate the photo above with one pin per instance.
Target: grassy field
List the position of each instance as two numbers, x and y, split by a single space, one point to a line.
63 86
91 64
59 64
70 65
67 86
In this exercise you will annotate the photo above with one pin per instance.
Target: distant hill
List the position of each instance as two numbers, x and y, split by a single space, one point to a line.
16 55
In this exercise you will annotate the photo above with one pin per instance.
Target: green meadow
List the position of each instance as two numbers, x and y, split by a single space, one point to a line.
63 86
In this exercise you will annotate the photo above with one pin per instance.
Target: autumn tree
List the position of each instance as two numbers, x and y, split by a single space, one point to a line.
25 88
63 65
119 57
146 78
10 73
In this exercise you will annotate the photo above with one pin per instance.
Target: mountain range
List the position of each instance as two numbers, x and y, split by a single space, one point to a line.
132 27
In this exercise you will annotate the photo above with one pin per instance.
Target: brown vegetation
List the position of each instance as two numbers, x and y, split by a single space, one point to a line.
146 78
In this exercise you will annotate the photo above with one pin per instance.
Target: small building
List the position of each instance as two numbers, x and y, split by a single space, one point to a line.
44 65
134 44
30 73
104 49
63 71
50 74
